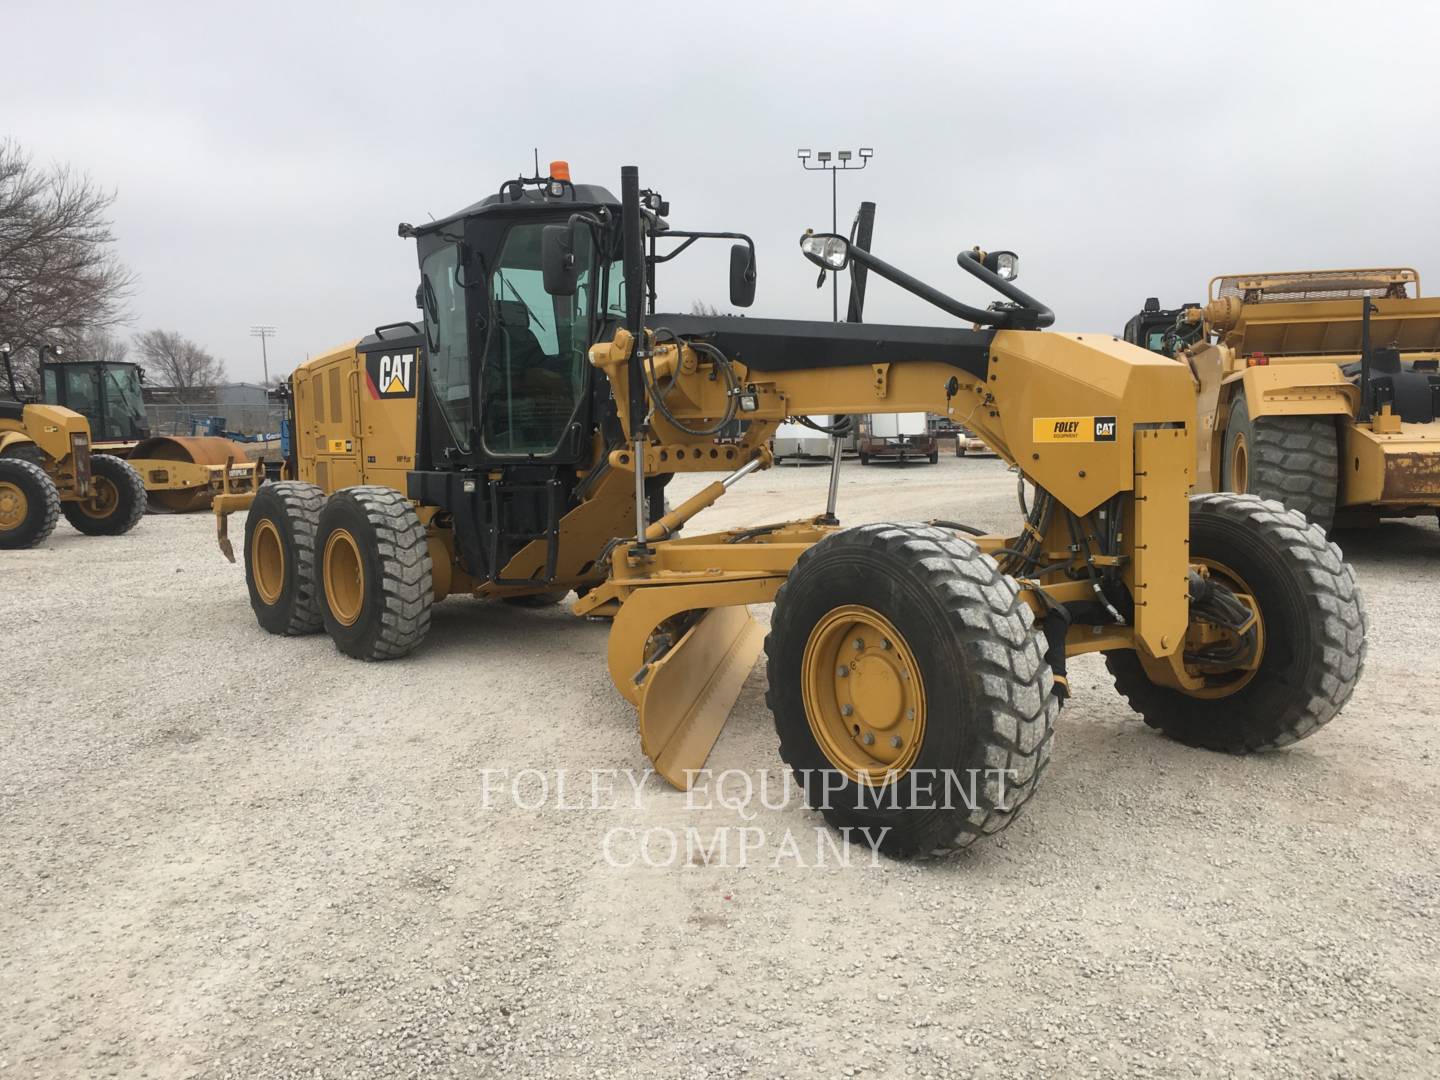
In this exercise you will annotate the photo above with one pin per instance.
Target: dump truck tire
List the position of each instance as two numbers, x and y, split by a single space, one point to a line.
280 557
1313 623
1291 459
118 503
375 573
29 503
965 658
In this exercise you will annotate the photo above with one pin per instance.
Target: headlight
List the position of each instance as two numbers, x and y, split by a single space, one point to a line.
826 249
1005 264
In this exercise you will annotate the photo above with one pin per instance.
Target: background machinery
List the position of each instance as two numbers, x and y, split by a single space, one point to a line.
47 468
1318 389
915 669
180 473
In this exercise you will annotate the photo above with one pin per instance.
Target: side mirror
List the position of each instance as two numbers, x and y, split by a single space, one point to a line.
742 276
826 250
557 260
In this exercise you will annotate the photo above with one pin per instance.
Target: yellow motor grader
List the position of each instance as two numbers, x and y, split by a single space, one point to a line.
517 441
1318 389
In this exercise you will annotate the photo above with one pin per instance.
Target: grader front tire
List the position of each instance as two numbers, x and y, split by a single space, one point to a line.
29 504
937 647
280 557
1313 623
375 573
118 502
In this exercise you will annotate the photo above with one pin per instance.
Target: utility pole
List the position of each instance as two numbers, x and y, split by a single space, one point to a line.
263 332
839 161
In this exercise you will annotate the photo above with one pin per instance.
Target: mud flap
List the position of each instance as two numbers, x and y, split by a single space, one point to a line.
685 696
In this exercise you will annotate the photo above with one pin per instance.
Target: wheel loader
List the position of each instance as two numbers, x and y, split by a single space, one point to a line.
515 443
181 473
47 468
1318 389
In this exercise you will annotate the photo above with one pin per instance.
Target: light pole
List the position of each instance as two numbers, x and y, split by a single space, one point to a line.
839 161
263 332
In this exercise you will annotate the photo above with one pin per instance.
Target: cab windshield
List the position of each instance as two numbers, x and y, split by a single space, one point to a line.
535 364
124 404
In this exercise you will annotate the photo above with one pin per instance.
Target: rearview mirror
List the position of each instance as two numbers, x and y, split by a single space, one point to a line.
742 276
557 260
826 250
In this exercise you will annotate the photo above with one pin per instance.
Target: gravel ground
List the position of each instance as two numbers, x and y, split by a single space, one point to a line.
228 854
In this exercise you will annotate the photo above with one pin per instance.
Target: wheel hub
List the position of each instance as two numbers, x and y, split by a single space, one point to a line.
1240 464
344 576
267 561
1219 682
864 697
102 504
13 506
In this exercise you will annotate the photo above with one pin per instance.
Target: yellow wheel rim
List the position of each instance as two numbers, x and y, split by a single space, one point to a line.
267 561
1240 464
1219 683
14 506
344 577
103 503
863 695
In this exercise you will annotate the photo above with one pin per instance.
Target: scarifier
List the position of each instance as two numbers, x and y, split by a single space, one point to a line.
516 444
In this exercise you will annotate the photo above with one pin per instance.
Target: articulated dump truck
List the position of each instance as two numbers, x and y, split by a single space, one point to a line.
1318 389
515 443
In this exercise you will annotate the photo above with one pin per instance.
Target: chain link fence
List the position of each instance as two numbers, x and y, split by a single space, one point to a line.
192 419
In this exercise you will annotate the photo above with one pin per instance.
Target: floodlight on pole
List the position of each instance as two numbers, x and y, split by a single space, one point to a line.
839 161
263 333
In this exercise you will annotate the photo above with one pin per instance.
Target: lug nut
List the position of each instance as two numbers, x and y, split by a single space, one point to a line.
859 643
895 742
909 714
885 643
847 710
842 671
869 739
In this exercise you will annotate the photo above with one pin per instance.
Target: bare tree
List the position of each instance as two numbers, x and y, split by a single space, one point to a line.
102 345
700 307
173 360
59 276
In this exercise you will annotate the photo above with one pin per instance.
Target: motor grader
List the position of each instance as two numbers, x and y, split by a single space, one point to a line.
515 443
47 468
1318 389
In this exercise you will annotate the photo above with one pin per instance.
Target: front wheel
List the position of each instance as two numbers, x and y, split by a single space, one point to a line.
375 573
909 688
29 504
1311 633
117 500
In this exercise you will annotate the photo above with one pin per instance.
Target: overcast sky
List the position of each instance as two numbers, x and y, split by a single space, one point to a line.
264 152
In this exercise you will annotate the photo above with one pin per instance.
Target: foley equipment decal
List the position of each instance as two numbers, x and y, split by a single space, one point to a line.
1079 429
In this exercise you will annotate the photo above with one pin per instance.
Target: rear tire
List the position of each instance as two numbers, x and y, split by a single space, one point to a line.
375 573
934 457
118 503
864 459
985 707
1314 632
280 557
29 504
1291 459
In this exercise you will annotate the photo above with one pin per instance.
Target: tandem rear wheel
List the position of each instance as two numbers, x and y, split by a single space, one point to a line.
374 573
280 557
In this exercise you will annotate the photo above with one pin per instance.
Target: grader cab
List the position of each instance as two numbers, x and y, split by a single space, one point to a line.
915 669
